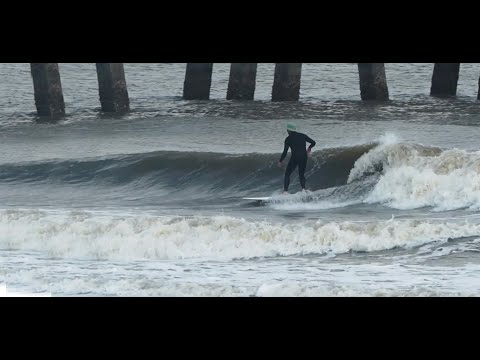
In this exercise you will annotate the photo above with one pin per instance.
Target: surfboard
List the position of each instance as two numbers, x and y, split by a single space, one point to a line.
265 198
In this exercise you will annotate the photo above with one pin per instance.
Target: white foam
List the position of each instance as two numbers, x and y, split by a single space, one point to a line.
389 151
297 289
305 200
314 205
415 176
6 292
389 139
85 235
88 286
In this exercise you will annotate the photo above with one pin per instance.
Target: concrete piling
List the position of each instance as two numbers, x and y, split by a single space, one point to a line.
373 81
112 87
241 85
47 89
286 83
445 79
198 80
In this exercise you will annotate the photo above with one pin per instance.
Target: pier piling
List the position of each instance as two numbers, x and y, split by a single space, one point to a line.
286 83
445 79
241 85
47 89
198 80
373 81
112 87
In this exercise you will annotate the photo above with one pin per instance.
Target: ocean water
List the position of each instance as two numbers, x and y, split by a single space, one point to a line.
151 203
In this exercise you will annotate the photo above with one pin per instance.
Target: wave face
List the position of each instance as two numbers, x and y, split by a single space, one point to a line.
389 173
176 171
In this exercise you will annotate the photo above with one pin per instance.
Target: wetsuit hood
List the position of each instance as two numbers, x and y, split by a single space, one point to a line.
292 126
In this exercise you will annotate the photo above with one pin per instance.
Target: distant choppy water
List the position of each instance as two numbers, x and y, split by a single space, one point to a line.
150 203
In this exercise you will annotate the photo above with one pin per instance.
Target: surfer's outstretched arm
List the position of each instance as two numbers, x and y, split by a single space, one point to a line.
285 150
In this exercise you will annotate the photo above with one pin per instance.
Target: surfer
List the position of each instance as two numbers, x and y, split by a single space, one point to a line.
297 142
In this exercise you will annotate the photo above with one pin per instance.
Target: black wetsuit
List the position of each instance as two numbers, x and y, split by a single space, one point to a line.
297 142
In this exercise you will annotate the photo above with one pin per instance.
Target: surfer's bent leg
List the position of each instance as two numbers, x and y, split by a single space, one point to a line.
302 164
292 164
